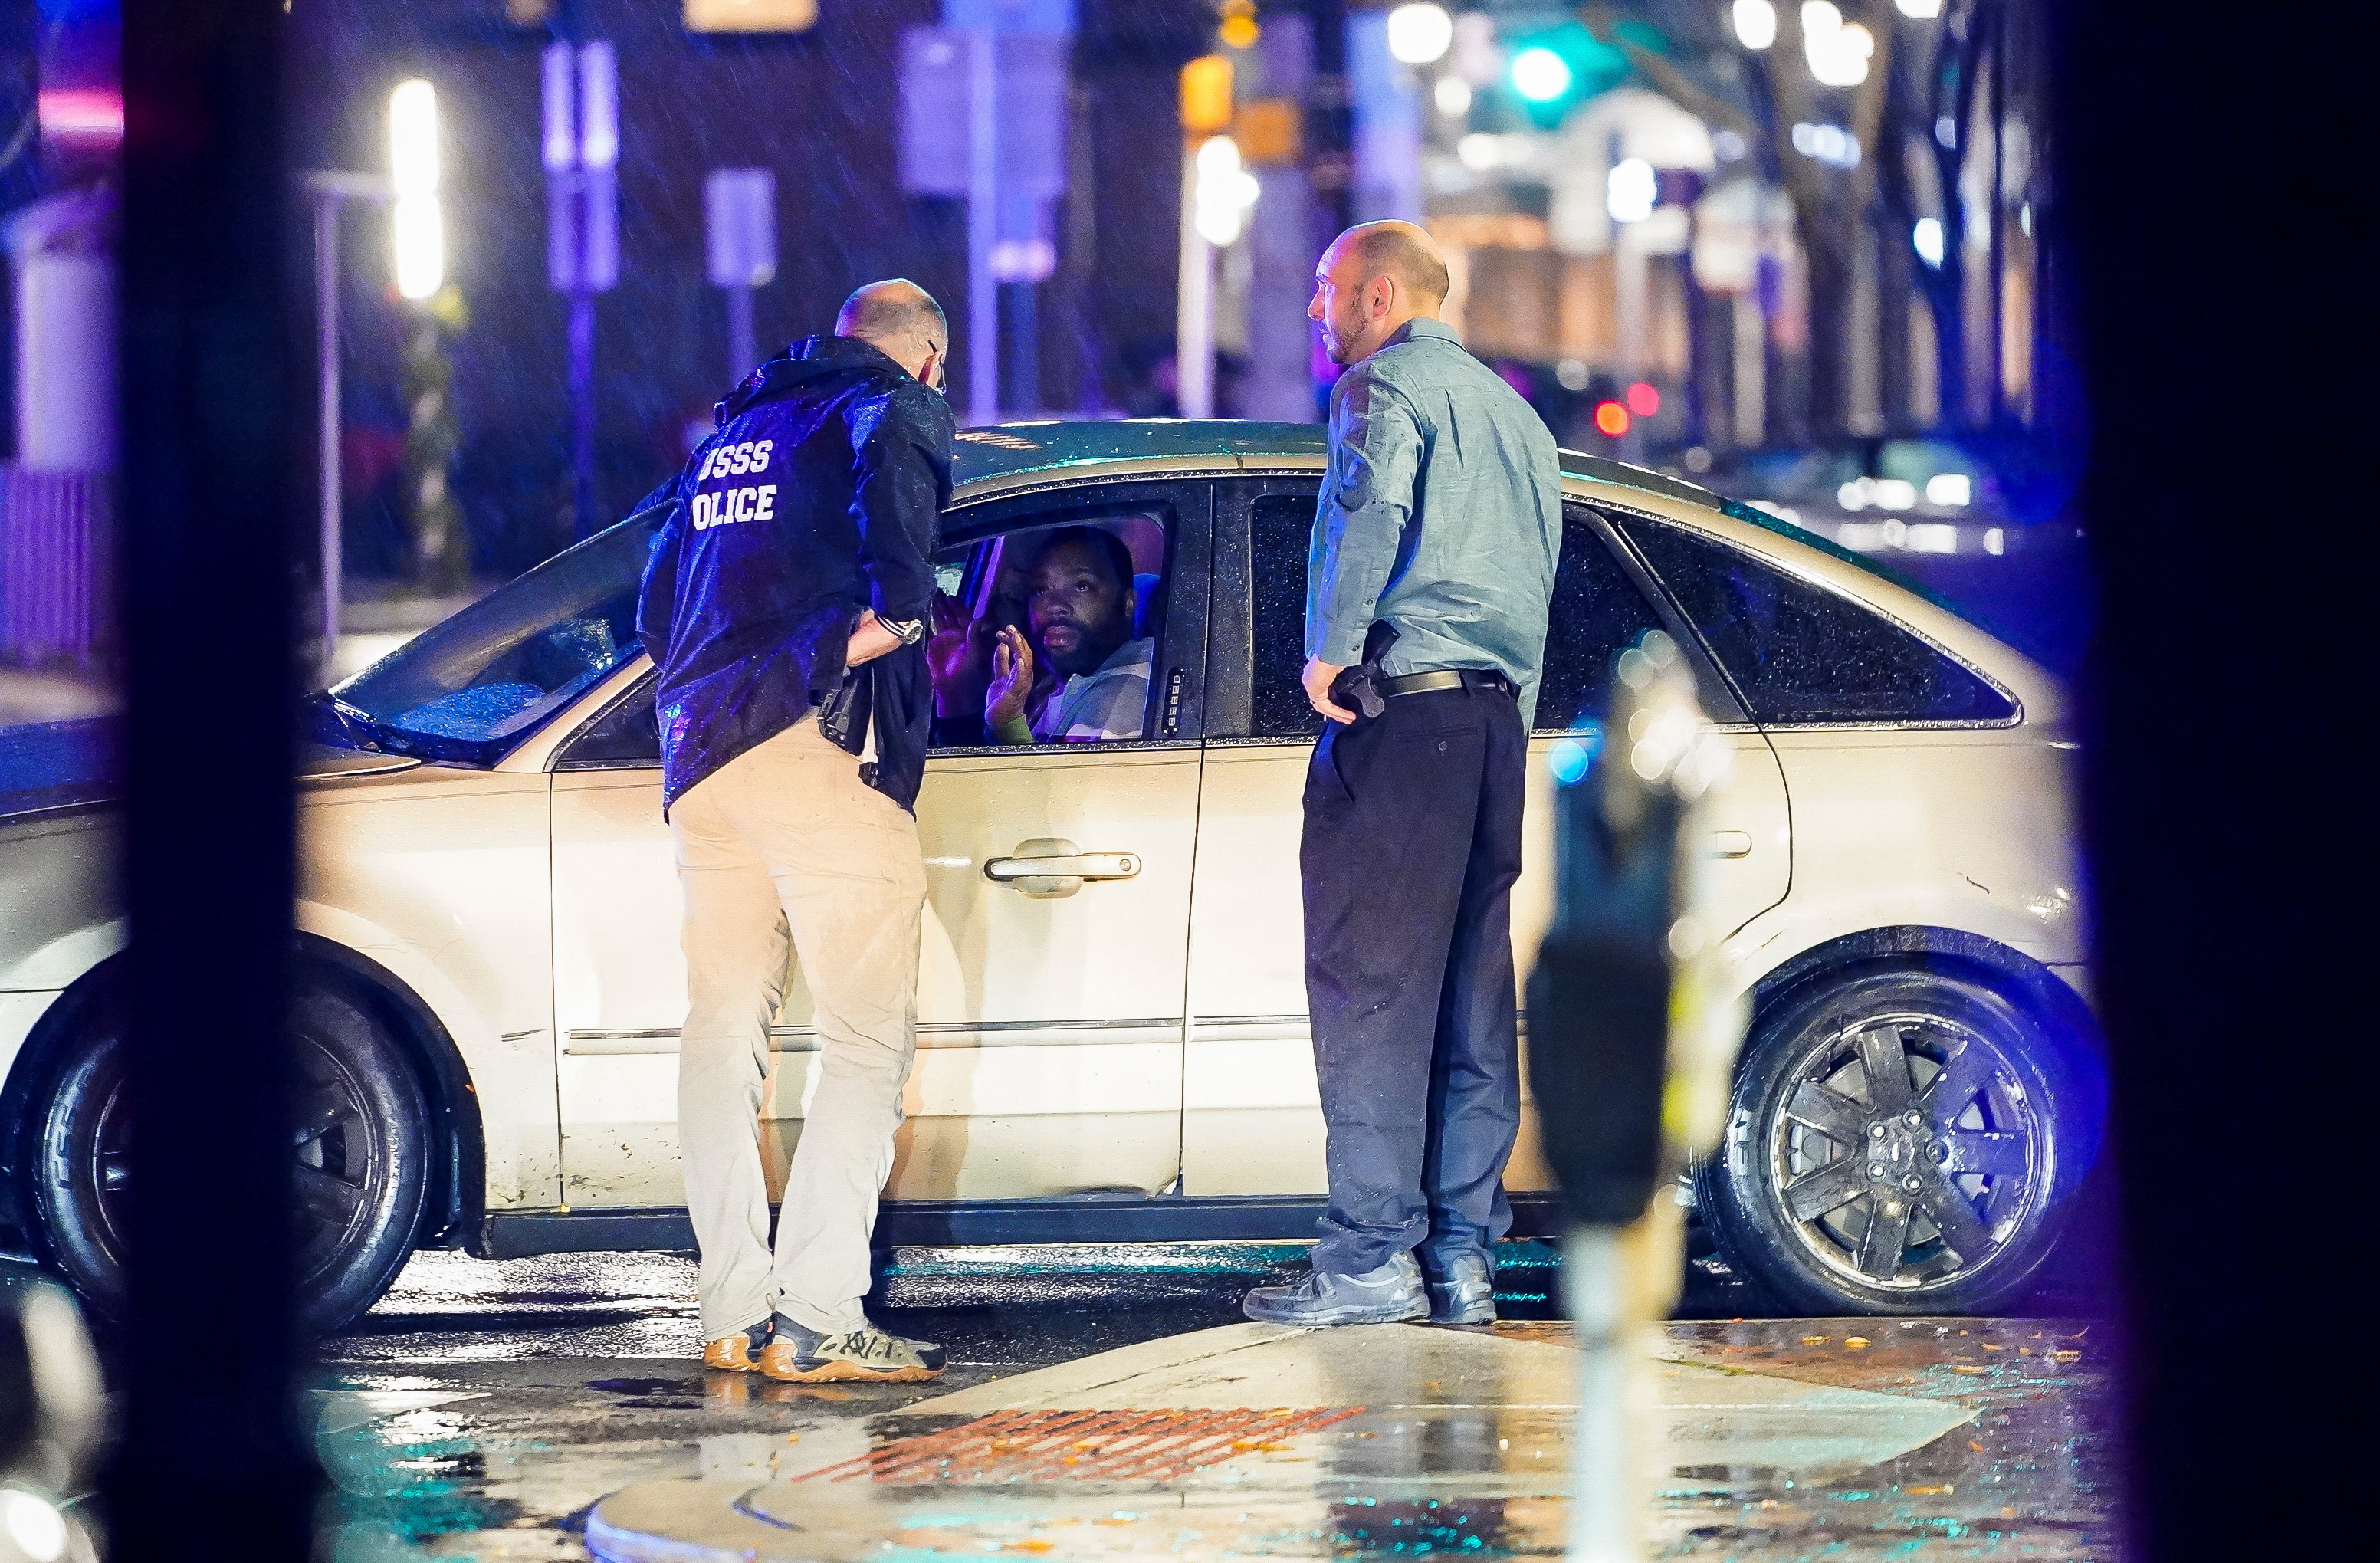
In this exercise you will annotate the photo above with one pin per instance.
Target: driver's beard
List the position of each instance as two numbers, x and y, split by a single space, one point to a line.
1099 643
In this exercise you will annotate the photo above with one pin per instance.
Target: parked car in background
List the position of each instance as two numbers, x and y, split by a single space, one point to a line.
1112 1016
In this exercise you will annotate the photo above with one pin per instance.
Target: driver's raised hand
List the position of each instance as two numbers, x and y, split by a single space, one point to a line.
1012 678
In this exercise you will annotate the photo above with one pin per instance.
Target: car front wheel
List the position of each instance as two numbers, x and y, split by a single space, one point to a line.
361 1161
1901 1141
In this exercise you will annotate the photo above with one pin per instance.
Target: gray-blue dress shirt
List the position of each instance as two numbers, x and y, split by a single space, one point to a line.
1441 513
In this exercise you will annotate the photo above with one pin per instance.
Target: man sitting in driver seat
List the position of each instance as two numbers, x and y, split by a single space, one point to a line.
1082 603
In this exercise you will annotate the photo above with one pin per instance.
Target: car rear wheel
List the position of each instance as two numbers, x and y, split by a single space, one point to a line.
361 1160
1901 1141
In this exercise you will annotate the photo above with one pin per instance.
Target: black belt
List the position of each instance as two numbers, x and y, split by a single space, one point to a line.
1448 678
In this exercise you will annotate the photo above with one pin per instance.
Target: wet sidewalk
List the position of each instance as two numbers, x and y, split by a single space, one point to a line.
1854 1438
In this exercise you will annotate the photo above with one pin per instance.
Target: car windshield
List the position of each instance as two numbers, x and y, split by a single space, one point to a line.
467 689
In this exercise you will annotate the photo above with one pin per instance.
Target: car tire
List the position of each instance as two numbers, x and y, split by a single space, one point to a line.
363 1158
1837 1191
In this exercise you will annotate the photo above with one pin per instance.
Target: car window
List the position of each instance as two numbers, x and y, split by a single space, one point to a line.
1598 613
1049 631
1802 653
472 686
626 735
1281 526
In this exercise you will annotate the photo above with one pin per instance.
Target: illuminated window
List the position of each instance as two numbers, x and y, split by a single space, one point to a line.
750 16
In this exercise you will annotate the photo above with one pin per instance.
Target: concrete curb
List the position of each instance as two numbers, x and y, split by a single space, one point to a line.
684 1522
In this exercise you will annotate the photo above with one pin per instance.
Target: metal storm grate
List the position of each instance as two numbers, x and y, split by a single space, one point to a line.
1107 1446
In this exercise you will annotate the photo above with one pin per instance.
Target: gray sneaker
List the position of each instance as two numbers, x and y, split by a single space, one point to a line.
795 1355
1466 1294
1387 1295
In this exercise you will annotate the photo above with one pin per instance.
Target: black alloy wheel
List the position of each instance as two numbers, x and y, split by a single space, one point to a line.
361 1149
1901 1141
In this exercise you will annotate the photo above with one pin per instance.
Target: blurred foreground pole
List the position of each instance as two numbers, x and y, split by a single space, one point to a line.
1629 1058
2229 910
210 1463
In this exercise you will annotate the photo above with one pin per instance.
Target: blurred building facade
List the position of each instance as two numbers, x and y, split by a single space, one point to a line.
1776 223
1693 232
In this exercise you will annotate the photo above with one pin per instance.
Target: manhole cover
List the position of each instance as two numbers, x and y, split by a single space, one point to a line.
1103 1445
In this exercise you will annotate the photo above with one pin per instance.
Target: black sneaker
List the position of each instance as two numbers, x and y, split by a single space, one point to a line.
1466 1294
1389 1295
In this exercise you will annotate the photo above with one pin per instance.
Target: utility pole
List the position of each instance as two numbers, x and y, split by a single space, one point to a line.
332 191
582 252
983 220
1330 117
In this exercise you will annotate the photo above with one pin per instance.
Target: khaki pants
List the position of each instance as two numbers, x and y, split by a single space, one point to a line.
783 841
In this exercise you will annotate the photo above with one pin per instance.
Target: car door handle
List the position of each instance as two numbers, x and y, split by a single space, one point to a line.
1052 867
1075 866
1730 843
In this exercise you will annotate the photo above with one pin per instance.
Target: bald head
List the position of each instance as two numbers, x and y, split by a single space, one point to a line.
1400 250
900 319
1374 279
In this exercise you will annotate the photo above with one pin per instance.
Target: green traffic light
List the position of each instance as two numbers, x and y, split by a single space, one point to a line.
1539 75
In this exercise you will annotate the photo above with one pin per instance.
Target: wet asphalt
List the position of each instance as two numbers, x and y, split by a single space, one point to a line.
483 1407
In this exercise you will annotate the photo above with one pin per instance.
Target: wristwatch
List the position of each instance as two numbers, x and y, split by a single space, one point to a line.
908 631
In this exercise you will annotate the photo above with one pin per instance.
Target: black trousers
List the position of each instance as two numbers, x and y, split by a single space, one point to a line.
1411 847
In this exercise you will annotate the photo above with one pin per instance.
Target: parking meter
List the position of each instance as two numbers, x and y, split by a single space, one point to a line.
1629 1055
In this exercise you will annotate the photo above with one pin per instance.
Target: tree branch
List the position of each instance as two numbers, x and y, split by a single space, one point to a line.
1666 78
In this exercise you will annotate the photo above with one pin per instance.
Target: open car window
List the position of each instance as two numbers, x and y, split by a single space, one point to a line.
1084 591
981 584
471 687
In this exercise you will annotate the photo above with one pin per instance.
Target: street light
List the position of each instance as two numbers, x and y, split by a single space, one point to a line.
1419 33
415 226
1755 23
1631 191
1225 191
1838 51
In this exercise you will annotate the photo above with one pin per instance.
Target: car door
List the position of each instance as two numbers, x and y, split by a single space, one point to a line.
1050 1003
1251 1119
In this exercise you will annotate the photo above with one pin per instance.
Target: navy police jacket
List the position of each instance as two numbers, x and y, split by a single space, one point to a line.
817 496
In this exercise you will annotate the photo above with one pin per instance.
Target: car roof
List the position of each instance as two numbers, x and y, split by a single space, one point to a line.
1026 454
1024 457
